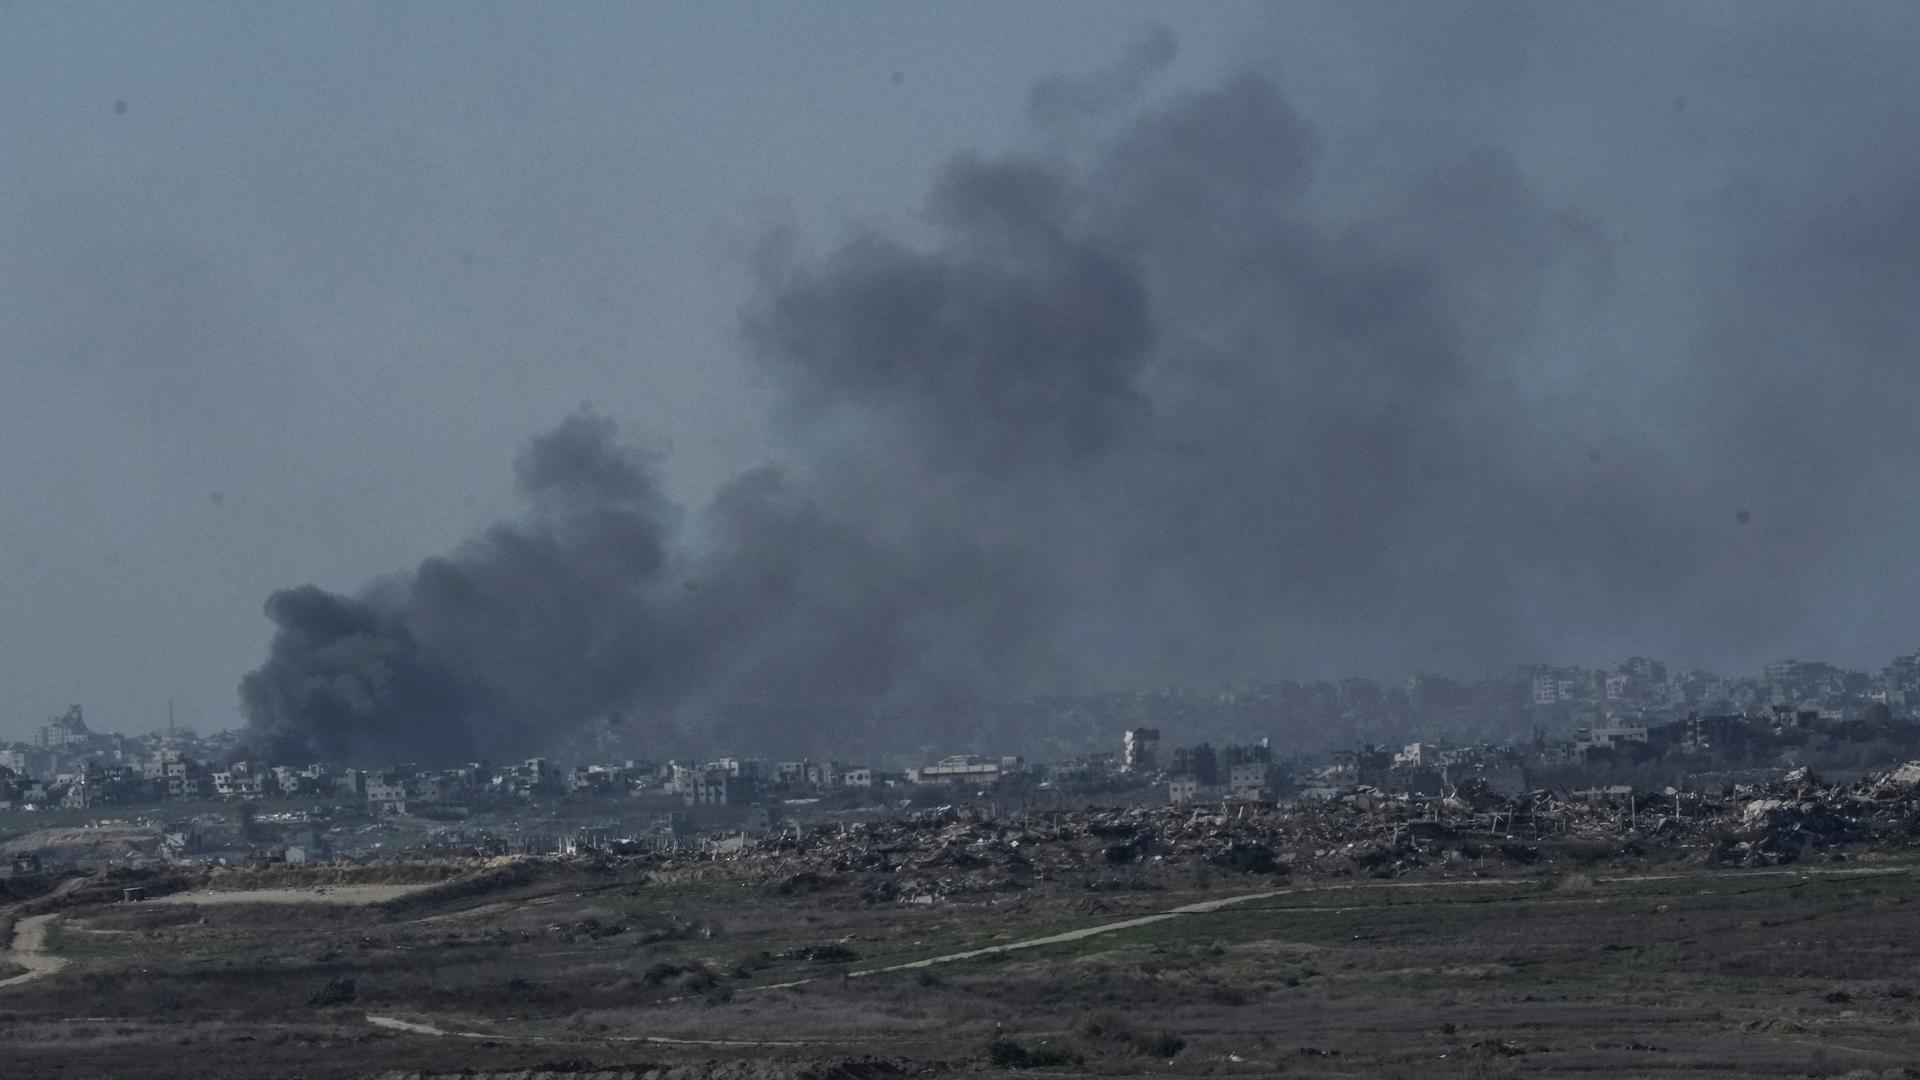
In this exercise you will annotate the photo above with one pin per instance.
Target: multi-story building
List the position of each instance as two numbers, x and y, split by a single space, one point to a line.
1185 790
965 769
1199 762
239 781
389 793
65 732
1545 688
1140 749
1253 781
716 787
749 768
805 773
171 773
1417 756
102 785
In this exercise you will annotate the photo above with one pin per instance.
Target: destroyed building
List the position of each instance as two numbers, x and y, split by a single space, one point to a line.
1140 749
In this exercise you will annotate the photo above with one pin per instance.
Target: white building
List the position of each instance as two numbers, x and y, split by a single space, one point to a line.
1417 756
1251 781
964 769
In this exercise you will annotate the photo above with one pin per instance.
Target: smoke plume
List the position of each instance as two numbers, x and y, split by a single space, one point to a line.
1157 403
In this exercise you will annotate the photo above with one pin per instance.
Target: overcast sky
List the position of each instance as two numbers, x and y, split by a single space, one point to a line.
284 288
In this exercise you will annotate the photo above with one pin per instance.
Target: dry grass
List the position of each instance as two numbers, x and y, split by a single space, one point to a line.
1706 976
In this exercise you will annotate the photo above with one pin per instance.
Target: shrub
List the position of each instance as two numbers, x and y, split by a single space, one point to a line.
827 953
660 973
1104 1025
696 980
338 991
1110 1027
1159 1044
1004 1053
1231 996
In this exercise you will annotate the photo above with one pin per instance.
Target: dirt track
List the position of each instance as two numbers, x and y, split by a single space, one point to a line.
29 950
1205 906
394 1023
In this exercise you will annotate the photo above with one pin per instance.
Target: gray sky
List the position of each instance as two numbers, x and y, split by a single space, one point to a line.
287 316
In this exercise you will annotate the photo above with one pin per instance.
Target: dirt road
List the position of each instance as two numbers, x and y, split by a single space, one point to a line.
29 950
414 1027
1082 933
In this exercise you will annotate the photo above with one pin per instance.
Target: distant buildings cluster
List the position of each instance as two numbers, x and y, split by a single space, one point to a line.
736 781
1803 684
1321 716
1637 712
70 766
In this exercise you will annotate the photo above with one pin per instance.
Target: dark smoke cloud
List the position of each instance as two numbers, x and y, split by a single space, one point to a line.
1150 411
345 676
529 629
1015 344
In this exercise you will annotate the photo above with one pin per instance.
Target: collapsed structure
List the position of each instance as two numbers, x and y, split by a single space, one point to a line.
954 852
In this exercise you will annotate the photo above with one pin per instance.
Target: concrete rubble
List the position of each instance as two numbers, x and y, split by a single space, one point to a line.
953 853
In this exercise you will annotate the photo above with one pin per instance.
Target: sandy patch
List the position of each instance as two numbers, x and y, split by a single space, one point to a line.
309 894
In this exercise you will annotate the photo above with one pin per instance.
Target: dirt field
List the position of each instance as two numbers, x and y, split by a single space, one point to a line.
351 895
550 970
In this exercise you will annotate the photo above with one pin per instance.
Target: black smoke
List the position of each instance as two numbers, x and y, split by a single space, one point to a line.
1144 407
524 631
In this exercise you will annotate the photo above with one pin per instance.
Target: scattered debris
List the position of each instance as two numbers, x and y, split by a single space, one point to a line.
952 853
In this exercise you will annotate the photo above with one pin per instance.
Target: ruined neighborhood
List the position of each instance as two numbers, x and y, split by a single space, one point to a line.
1631 738
930 541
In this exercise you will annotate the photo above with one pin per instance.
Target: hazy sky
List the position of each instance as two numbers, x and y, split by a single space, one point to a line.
284 288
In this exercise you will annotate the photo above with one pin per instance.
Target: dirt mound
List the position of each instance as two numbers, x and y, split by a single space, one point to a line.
413 872
104 843
467 886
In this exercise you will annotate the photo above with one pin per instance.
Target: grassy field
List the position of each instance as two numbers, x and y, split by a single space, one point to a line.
567 970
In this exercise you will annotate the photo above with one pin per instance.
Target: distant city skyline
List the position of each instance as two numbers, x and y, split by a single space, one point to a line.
1906 664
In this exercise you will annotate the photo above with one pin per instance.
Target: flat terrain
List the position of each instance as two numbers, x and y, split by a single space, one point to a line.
350 895
548 969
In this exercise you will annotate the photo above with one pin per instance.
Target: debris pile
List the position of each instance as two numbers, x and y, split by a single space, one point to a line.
954 853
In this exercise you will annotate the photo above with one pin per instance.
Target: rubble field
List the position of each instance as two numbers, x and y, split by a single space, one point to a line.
959 853
1760 931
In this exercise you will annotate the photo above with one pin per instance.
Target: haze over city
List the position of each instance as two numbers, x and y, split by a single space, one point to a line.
893 541
886 352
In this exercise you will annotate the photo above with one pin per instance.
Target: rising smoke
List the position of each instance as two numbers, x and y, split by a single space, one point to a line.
1138 407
